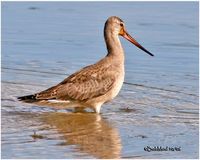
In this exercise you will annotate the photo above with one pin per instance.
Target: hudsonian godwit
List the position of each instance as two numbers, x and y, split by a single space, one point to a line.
96 84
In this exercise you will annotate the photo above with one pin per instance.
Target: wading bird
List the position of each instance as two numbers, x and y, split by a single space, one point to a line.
96 84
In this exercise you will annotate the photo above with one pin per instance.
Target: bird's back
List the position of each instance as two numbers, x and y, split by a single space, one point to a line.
90 82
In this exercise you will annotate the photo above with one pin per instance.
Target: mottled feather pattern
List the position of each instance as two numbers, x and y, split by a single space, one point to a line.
93 85
85 84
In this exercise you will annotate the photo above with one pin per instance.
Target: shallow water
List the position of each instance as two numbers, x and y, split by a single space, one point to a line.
42 43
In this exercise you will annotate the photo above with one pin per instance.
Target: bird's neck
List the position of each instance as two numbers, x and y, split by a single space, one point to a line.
113 44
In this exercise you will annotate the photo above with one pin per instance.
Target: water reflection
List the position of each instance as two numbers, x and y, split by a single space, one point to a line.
89 132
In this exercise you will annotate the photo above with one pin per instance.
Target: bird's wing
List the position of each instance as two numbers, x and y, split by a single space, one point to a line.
90 82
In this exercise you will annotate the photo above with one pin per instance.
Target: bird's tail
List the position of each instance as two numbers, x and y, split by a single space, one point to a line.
28 99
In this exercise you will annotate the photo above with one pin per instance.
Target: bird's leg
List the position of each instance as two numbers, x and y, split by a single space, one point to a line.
97 108
79 109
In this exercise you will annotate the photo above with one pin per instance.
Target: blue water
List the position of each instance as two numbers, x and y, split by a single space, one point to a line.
43 42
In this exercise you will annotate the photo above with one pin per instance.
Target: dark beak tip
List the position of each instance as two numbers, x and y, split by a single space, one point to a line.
149 53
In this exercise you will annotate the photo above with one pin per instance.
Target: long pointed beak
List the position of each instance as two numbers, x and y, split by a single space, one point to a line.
132 40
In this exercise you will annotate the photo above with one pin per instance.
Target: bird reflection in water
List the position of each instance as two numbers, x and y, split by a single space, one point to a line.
89 132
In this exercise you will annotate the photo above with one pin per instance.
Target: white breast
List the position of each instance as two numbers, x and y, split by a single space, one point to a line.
117 86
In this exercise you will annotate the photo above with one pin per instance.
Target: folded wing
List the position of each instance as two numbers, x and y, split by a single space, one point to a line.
92 81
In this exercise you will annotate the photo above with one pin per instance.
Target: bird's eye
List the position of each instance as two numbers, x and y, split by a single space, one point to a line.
121 24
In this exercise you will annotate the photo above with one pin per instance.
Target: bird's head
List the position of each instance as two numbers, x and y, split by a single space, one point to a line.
116 26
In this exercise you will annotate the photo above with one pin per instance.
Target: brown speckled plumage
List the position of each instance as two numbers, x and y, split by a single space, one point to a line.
95 84
90 82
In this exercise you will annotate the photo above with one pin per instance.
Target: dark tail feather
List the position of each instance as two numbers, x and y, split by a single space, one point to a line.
28 99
